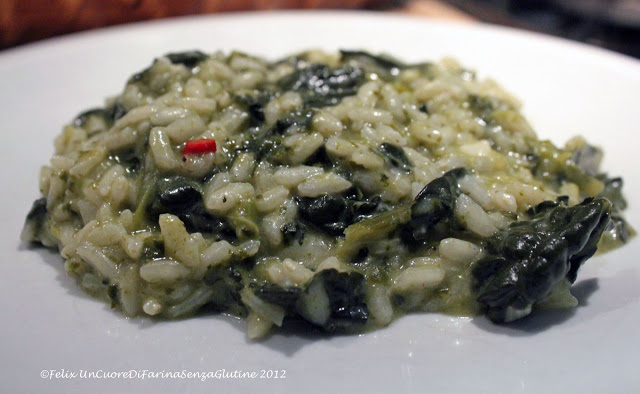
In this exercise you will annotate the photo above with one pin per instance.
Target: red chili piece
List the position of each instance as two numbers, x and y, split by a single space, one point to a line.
199 147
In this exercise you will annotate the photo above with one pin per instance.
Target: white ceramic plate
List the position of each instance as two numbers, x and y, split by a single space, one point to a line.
48 324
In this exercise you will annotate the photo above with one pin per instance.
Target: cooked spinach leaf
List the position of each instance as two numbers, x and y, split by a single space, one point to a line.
619 231
180 196
226 282
116 111
396 156
266 141
83 117
129 159
152 248
254 103
286 297
319 158
482 107
334 300
188 58
293 233
112 292
320 86
330 214
110 114
333 214
38 210
588 158
436 203
524 262
613 191
35 221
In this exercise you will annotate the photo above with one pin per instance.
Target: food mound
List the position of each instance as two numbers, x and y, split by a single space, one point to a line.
341 189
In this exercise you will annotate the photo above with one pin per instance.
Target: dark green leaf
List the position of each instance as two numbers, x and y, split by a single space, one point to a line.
319 158
254 104
179 196
396 156
331 214
588 158
83 117
385 62
436 203
482 107
286 297
109 114
345 293
524 262
188 58
320 86
115 111
112 292
35 222
293 233
226 282
613 191
129 159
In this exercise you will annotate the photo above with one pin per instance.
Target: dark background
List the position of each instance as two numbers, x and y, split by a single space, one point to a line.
612 24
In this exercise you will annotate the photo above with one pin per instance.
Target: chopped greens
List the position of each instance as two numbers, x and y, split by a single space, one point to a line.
188 58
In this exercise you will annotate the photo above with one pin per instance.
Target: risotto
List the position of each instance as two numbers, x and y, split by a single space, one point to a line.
340 189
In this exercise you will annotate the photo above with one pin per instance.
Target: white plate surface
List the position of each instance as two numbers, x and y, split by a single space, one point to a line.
48 324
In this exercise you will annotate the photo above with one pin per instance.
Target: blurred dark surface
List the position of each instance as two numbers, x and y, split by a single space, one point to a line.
611 24
24 21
